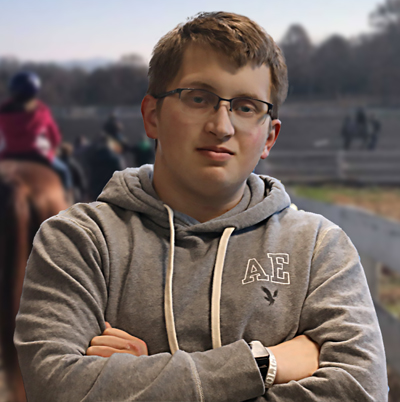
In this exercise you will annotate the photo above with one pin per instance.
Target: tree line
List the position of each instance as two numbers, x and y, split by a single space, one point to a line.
122 83
368 65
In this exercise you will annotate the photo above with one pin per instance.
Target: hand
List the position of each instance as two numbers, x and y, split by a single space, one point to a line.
295 359
114 340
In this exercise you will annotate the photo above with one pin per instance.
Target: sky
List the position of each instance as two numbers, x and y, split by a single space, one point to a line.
61 30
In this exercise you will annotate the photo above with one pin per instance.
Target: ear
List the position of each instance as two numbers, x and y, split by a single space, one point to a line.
149 114
272 137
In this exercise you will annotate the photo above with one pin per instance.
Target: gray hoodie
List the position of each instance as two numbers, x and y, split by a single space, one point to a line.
195 293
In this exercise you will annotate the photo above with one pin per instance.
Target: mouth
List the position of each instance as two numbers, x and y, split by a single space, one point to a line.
218 150
216 154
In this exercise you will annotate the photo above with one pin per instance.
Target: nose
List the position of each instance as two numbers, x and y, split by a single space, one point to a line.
220 123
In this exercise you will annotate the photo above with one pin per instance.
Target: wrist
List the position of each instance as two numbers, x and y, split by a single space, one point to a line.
266 362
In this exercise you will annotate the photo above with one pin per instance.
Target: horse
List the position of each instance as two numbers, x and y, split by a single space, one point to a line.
29 194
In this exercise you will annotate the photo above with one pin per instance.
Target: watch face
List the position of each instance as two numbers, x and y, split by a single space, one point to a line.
263 362
263 366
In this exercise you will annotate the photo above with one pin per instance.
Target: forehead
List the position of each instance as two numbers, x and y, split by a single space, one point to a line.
204 66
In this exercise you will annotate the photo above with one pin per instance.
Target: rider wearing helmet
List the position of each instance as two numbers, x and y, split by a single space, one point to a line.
105 156
27 128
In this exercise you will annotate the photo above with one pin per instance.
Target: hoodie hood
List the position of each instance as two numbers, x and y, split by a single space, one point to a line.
132 189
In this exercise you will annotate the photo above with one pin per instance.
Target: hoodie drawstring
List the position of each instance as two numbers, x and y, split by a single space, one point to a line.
168 303
216 288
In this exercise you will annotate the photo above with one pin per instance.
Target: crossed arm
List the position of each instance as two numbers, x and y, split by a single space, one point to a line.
65 298
296 359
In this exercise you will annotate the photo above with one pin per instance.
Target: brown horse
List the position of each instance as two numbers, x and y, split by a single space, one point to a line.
29 194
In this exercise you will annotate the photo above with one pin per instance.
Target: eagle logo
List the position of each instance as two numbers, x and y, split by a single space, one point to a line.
269 296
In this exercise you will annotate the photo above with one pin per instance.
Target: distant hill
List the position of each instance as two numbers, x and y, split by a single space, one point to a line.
86 64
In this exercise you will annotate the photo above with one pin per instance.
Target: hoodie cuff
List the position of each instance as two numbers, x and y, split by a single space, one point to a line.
229 373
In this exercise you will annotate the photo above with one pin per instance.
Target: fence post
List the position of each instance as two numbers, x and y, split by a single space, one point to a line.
371 269
340 165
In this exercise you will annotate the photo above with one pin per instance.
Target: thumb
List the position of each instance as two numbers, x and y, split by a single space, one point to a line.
108 325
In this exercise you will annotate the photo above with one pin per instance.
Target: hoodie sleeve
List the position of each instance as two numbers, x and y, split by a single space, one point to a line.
62 308
339 315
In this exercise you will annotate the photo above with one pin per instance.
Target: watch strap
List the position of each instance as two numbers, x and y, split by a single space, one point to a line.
272 368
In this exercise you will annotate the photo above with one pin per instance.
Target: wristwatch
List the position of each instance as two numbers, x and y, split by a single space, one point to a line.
266 362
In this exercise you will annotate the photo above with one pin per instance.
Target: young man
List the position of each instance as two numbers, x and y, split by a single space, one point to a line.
172 285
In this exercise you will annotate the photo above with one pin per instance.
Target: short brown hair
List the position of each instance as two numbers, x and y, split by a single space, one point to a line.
237 36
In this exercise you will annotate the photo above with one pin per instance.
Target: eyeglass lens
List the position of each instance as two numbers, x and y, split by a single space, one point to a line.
247 111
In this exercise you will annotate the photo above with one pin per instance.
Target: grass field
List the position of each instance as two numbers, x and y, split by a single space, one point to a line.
389 291
382 201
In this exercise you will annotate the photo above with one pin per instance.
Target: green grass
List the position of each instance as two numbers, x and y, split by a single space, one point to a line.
326 193
389 292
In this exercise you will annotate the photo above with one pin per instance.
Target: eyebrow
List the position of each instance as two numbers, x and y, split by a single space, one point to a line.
204 85
201 85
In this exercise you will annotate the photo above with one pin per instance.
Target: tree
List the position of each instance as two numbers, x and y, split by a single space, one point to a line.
297 40
116 85
120 84
298 50
385 46
386 16
332 67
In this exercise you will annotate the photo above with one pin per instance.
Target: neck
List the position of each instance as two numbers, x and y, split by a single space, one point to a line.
200 206
31 105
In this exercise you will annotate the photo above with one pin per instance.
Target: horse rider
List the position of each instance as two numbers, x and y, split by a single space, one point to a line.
27 128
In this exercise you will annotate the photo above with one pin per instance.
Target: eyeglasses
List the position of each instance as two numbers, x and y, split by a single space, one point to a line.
245 112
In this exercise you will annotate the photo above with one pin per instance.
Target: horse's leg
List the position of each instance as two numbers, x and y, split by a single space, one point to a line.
14 249
17 386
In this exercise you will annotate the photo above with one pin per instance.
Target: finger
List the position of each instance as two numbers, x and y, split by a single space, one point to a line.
124 335
108 325
115 343
105 351
119 333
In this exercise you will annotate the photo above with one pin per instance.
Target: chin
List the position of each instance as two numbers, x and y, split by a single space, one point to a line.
216 174
215 180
